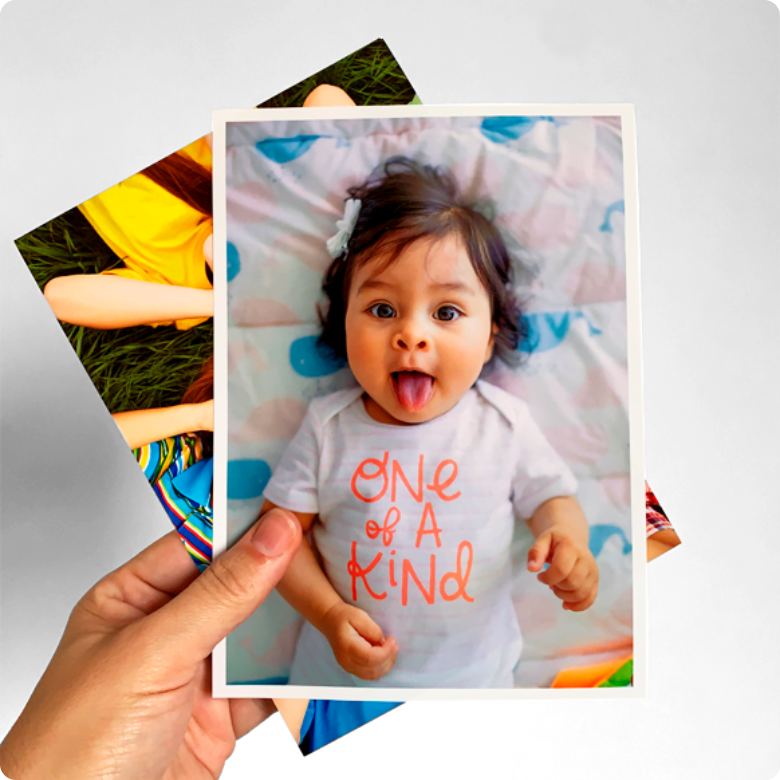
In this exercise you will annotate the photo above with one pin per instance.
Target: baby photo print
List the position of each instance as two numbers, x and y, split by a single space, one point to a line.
427 351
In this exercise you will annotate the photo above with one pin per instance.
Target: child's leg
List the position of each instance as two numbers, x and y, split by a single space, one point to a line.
327 95
104 301
292 712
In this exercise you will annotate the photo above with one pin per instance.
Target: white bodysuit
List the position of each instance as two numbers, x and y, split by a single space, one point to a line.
415 525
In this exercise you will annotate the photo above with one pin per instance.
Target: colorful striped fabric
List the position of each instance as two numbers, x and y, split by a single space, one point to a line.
181 478
655 517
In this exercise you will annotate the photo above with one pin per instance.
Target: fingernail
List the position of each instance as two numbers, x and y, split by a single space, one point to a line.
274 535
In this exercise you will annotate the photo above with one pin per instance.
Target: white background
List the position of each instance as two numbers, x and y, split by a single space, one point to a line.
93 90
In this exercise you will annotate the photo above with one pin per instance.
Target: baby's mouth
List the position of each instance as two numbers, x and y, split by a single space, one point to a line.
413 389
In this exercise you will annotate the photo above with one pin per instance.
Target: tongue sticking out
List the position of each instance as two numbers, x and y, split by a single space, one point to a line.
413 389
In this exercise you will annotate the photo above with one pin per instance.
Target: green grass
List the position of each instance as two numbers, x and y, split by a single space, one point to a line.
132 368
66 245
143 367
370 76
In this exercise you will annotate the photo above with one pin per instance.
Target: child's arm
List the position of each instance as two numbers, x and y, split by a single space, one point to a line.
103 301
561 532
144 426
357 641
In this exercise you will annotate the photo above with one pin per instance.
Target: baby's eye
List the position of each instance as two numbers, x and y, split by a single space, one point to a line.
446 313
382 310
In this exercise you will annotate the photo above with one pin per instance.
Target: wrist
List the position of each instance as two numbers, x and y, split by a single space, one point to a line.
329 618
192 418
205 302
204 416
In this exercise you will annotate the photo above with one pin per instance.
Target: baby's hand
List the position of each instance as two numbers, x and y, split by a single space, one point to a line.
358 643
573 574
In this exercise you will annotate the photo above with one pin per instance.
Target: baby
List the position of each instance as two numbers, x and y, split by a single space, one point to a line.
411 482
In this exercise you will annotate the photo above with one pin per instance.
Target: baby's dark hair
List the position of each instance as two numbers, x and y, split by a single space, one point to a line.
404 201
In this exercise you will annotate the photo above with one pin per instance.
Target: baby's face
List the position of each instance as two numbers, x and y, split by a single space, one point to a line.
418 331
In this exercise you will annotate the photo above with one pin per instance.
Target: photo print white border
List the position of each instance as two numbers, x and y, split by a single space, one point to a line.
635 413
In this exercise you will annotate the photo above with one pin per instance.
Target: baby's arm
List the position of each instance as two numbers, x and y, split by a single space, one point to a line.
105 302
143 426
357 641
561 532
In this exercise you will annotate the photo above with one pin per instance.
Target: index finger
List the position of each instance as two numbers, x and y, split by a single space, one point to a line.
563 562
228 592
142 585
366 627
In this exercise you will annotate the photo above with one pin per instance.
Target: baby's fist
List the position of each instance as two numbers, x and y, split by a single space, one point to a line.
358 642
573 574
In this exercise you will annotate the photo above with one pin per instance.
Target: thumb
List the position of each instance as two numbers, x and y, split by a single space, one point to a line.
229 591
538 554
367 628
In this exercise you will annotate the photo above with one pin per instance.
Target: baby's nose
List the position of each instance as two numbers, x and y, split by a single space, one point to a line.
411 337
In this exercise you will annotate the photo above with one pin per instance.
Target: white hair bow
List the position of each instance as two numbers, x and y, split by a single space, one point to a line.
338 243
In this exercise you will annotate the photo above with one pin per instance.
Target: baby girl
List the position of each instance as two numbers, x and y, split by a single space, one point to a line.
410 483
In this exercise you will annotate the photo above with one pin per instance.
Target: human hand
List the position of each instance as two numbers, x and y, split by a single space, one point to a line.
358 643
573 574
128 691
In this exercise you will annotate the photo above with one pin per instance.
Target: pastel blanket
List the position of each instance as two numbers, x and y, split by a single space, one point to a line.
554 186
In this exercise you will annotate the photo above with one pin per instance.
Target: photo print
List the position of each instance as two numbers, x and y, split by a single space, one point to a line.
428 349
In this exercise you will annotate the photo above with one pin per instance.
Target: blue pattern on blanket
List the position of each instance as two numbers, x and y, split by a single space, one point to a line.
552 182
233 261
247 478
502 129
620 207
282 150
548 329
307 359
599 535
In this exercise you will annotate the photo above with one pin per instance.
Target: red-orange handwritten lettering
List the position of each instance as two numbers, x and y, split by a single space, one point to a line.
396 469
422 530
387 528
355 571
406 570
360 473
439 487
461 579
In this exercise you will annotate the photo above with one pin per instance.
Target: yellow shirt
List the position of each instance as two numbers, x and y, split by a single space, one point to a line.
158 236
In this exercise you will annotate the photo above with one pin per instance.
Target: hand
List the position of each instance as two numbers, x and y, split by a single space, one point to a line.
128 691
358 643
573 574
